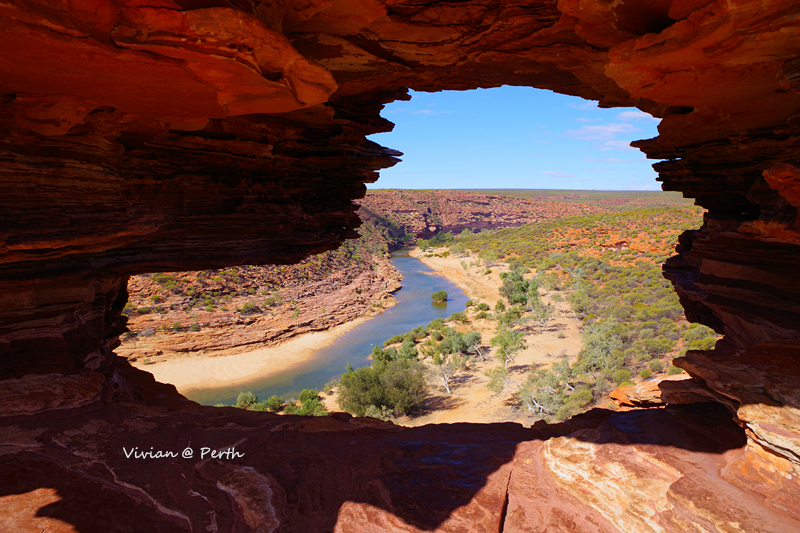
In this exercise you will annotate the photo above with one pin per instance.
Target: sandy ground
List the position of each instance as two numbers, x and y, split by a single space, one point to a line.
470 400
190 372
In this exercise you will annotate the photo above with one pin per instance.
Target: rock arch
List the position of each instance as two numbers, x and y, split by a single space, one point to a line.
179 134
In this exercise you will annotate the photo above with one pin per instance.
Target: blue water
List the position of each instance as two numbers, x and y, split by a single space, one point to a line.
414 307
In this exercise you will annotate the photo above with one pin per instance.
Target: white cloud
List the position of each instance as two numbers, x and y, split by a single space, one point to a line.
600 131
590 119
589 104
423 112
591 159
622 145
616 160
635 115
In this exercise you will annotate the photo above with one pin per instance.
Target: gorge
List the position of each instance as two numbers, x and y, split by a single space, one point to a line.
178 135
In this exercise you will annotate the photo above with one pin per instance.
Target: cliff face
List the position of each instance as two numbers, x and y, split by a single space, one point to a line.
426 213
182 135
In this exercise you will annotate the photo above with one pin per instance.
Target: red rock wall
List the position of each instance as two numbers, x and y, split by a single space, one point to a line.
175 135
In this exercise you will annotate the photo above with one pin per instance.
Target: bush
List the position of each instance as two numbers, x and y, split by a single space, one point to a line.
248 308
310 405
439 296
458 317
621 375
645 373
483 306
194 327
674 370
245 400
143 310
275 403
656 365
482 314
393 340
398 385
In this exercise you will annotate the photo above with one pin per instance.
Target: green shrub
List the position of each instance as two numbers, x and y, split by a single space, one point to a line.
397 385
143 310
245 400
458 317
645 373
194 327
621 375
275 403
394 339
483 306
310 405
439 296
248 308
656 365
674 370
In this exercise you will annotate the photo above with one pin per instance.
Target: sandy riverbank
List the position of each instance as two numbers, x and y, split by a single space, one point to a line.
190 372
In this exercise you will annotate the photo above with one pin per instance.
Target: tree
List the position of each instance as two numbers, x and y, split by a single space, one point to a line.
507 343
498 378
473 342
275 403
439 296
541 315
398 385
445 367
245 400
601 353
408 350
310 405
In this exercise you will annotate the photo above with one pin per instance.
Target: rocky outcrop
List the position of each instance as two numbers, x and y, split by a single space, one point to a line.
181 135
639 471
665 390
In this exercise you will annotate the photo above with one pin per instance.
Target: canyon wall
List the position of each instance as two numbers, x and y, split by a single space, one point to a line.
177 135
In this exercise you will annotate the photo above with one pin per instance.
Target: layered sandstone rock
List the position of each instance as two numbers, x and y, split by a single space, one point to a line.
426 213
181 135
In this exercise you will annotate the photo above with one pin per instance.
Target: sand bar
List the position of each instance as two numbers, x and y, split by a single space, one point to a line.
191 372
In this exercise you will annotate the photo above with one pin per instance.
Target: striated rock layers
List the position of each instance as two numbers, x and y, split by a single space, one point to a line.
425 213
182 135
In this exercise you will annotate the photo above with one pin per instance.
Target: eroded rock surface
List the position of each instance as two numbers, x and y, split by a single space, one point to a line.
181 135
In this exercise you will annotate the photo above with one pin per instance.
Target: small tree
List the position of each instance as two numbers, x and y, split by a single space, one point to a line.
542 315
245 400
507 343
473 342
439 296
445 367
275 403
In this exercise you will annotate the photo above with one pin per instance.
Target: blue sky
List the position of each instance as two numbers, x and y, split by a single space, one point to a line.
515 138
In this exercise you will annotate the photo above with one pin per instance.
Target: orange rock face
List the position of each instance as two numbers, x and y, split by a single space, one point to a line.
181 135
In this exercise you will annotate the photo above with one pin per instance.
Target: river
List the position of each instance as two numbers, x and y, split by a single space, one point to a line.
414 307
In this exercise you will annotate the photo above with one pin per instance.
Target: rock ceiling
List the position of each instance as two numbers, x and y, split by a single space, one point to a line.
175 135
